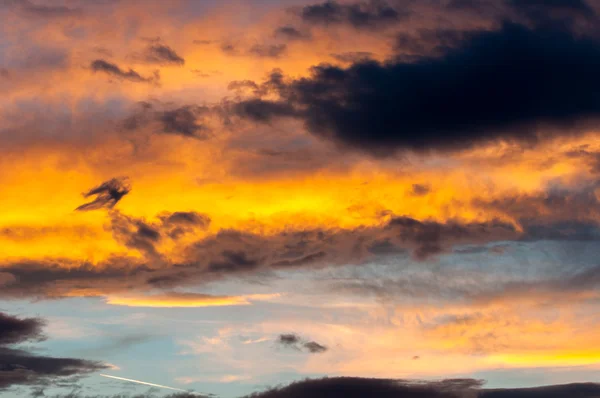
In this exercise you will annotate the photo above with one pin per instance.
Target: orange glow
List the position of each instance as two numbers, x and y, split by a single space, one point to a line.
186 300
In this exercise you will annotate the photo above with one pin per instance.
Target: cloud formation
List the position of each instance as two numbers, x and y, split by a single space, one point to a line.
296 342
100 65
371 14
20 367
108 194
163 55
513 84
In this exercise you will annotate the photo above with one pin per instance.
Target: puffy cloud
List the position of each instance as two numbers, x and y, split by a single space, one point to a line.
509 84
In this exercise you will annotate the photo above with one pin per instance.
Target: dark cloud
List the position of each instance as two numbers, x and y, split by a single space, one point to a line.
353 387
186 121
114 70
314 347
268 51
370 14
515 83
182 121
185 218
20 367
48 11
162 54
288 339
262 110
108 194
553 11
291 33
229 252
420 189
352 57
296 342
15 330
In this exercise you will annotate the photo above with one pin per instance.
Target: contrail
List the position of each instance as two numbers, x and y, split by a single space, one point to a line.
148 384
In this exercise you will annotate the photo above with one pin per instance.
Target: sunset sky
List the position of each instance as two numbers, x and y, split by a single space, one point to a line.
225 196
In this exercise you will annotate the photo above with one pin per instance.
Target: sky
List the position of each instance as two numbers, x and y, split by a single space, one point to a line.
299 198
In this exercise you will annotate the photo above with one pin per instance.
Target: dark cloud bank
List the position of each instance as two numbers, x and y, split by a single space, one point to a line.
516 82
19 366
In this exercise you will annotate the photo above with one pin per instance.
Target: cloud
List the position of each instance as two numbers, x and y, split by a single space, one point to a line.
268 51
15 330
420 189
108 194
511 84
370 14
291 33
162 54
186 120
553 11
352 57
295 342
227 253
20 367
47 11
114 70
353 387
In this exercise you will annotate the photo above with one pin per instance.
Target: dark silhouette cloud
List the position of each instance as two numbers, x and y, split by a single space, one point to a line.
186 120
108 194
20 367
162 54
314 347
47 10
263 110
268 51
553 11
352 57
291 33
293 341
420 189
370 14
114 70
515 83
15 330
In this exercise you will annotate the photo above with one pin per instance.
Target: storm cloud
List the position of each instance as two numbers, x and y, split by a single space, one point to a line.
516 83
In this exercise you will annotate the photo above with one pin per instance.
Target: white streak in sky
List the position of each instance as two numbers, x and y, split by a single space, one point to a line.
148 384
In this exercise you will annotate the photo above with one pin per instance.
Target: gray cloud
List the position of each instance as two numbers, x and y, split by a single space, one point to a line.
293 341
108 194
162 54
20 367
100 65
